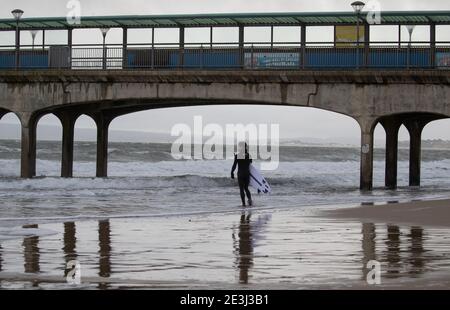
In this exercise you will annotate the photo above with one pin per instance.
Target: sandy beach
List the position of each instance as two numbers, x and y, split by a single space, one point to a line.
259 248
431 214
424 213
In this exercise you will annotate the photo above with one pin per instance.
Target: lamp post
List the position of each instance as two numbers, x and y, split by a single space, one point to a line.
357 7
104 32
33 36
17 14
410 29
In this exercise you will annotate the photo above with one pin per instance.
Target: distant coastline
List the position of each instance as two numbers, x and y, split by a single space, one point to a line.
10 131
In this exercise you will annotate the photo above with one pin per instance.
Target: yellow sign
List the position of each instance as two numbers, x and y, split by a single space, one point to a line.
346 35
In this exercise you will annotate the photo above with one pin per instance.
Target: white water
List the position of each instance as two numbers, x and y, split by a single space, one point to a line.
173 187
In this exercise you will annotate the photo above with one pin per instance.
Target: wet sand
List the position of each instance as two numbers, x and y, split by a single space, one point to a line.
425 213
243 249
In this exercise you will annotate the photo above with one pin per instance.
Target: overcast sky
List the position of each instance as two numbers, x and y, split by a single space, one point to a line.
294 122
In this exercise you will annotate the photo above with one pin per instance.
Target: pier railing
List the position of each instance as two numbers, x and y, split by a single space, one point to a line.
231 56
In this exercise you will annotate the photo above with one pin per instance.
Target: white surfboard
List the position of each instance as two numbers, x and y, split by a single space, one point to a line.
258 182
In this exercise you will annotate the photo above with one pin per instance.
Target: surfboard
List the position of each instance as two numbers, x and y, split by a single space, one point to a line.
258 182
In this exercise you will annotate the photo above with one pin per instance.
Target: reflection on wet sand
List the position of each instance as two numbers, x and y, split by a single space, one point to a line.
256 255
104 237
392 252
104 243
244 248
70 242
249 232
417 250
31 252
368 246
393 263
1 261
1 258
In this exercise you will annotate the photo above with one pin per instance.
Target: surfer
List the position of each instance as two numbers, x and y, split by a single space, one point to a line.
242 160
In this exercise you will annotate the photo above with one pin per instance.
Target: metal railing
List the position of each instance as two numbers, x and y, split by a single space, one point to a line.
250 56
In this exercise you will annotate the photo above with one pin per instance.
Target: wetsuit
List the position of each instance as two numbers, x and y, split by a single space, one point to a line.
243 175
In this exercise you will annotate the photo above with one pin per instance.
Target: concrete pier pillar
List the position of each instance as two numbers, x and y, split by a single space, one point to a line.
28 153
415 128
68 120
102 122
415 158
391 127
366 170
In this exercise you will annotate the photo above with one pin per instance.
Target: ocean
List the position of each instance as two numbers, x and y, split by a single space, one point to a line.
156 222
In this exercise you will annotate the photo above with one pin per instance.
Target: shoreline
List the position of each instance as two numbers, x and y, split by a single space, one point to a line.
373 211
431 213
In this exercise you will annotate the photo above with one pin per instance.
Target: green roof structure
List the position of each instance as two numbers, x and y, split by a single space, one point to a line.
226 20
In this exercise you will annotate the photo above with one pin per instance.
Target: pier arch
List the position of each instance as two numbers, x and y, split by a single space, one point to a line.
101 119
48 139
83 147
414 124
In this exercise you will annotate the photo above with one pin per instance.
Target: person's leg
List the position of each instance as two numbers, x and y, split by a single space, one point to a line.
241 189
247 191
